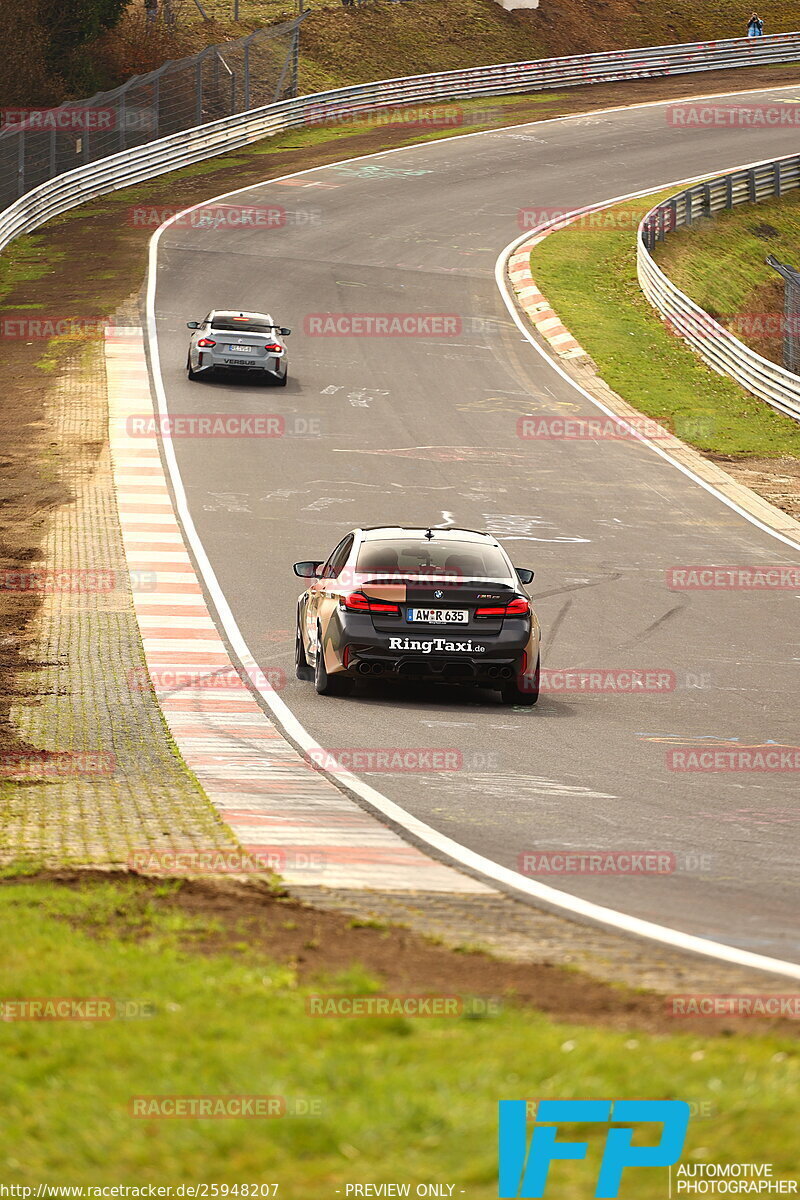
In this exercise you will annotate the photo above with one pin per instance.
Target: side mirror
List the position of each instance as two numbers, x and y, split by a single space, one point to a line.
192 324
308 569
524 575
284 331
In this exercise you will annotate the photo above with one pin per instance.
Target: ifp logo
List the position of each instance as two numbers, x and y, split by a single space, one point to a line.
524 1170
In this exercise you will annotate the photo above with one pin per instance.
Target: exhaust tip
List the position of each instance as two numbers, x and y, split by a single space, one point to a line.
377 668
506 673
364 668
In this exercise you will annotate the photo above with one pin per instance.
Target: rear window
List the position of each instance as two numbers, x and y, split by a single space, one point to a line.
242 323
465 560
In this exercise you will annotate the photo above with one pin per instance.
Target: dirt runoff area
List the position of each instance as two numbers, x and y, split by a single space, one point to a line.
257 922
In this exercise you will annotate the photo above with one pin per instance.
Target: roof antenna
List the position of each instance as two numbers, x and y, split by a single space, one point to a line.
429 534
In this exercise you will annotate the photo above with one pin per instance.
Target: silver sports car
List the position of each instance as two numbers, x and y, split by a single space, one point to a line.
238 341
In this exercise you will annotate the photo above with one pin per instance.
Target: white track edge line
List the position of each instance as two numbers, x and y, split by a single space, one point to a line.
285 717
510 303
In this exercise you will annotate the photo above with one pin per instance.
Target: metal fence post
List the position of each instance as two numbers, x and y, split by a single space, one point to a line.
122 118
791 312
295 79
777 180
21 163
688 209
198 90
246 97
156 99
660 228
751 184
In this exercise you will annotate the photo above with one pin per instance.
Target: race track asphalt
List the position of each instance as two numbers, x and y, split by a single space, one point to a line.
422 431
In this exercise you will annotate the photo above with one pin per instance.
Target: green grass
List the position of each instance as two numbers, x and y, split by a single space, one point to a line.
400 1099
30 261
719 262
378 41
342 45
589 276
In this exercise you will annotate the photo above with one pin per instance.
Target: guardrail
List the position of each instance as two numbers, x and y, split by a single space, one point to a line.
86 182
715 344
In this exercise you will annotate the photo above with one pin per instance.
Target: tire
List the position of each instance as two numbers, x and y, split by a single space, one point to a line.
301 668
190 374
271 380
526 697
329 685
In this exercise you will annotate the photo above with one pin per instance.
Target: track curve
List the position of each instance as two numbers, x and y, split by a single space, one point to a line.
425 432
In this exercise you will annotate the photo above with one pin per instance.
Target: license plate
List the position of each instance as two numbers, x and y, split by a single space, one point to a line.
242 349
439 616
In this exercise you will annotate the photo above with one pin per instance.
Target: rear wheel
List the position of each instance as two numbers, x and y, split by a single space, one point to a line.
281 381
301 668
512 693
329 685
189 372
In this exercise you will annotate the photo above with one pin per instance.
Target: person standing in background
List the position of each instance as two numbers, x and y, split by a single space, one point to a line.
755 26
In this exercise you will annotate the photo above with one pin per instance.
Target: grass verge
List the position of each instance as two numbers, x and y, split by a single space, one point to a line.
342 45
720 264
205 1013
588 273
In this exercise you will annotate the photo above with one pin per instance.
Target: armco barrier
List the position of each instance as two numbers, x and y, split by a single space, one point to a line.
713 342
231 133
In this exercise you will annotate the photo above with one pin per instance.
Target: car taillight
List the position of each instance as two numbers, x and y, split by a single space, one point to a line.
355 602
273 347
206 342
358 602
516 608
